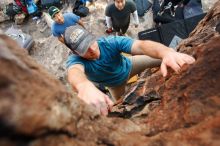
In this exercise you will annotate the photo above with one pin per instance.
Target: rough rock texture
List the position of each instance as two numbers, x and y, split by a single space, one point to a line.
207 5
3 17
182 109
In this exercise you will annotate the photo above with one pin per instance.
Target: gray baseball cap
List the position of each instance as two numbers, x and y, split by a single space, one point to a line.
78 39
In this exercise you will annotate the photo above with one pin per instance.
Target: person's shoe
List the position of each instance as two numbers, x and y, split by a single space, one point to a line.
109 31
120 34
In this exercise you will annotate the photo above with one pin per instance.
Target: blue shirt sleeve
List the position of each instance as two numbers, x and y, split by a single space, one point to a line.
124 44
73 59
75 18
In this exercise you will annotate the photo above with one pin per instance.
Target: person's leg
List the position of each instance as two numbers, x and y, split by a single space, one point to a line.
124 28
117 91
139 64
142 62
116 28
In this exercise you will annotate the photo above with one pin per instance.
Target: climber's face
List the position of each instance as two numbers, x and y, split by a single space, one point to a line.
93 52
58 18
120 4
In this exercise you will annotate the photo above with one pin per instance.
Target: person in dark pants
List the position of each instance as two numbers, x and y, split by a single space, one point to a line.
118 16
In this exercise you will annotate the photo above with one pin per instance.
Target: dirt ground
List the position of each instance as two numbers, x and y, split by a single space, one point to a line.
50 53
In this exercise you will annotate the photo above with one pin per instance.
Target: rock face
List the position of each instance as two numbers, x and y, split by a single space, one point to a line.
207 5
181 109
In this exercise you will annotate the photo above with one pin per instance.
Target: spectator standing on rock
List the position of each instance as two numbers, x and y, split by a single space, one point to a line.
62 21
118 16
100 61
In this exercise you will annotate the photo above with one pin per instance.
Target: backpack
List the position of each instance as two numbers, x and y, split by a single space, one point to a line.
48 3
22 4
24 40
11 10
80 9
31 6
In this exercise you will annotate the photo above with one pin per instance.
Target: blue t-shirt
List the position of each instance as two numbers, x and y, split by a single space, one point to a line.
69 20
112 68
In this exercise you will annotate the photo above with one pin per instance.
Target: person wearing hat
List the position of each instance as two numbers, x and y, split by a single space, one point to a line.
100 61
62 21
117 16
